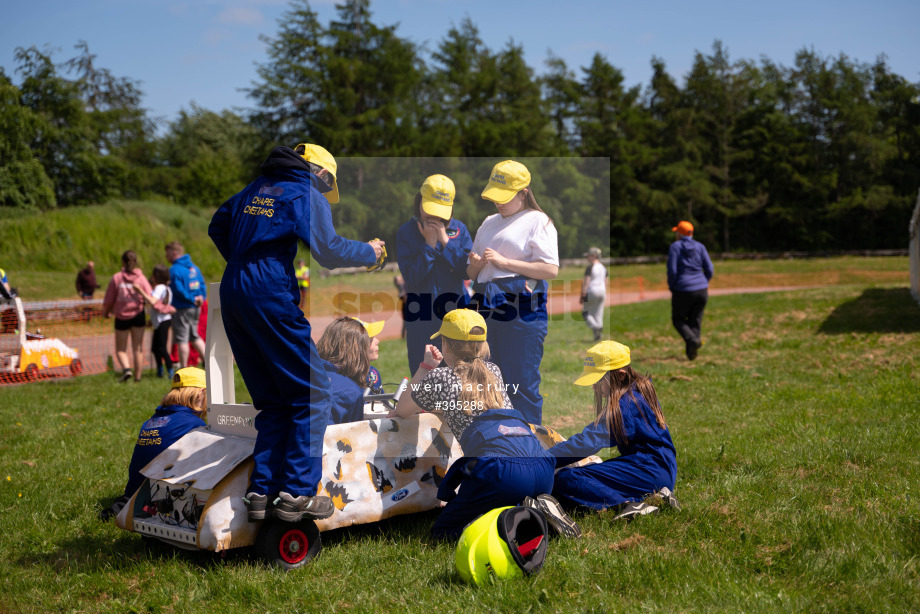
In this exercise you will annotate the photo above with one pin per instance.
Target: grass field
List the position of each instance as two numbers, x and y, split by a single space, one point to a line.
796 431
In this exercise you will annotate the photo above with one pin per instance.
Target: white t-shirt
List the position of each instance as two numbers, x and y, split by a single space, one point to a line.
597 283
528 236
161 293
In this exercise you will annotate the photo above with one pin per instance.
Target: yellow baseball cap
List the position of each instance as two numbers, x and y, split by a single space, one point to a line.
438 196
189 377
319 156
507 179
603 357
458 323
373 328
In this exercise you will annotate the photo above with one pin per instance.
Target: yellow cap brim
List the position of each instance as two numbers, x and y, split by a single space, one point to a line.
437 209
589 376
498 195
333 196
373 328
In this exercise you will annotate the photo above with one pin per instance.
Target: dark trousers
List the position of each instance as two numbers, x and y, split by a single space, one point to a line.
687 313
158 345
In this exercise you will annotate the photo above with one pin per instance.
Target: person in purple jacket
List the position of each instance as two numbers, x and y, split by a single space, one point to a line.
689 272
629 417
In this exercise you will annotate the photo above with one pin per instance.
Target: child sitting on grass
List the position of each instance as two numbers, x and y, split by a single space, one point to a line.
347 348
503 462
181 410
629 417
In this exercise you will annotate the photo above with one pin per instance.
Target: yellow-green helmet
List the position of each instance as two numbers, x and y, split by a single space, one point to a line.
508 542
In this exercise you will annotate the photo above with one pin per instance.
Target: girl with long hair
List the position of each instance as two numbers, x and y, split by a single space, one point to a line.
347 348
503 462
629 417
514 253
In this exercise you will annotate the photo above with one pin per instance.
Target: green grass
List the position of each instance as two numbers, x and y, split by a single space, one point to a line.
796 431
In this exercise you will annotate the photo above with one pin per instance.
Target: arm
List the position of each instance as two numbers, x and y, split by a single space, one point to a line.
707 263
219 229
474 268
109 301
407 405
416 265
457 250
672 266
326 247
534 270
591 440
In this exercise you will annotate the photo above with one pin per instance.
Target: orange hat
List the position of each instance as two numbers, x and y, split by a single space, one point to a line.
685 228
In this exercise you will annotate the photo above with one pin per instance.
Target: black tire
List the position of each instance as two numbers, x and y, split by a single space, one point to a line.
288 545
76 366
31 372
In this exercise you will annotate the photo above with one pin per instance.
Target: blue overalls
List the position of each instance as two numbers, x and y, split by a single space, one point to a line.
347 397
167 424
434 282
515 312
256 231
646 463
503 462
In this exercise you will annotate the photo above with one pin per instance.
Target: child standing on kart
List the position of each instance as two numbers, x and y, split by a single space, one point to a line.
629 417
503 462
256 232
181 410
347 348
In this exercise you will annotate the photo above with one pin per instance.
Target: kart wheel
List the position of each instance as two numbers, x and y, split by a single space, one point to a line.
76 366
288 545
31 372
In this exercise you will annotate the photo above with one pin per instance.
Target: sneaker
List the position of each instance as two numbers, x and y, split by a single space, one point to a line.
259 506
292 509
667 498
170 372
632 509
555 515
597 334
125 375
159 370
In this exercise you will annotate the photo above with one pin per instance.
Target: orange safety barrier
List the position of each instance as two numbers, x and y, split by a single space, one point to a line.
52 339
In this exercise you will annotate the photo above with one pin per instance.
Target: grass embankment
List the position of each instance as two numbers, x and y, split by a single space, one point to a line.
796 431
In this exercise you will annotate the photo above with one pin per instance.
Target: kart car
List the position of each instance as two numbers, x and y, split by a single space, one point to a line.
373 469
24 354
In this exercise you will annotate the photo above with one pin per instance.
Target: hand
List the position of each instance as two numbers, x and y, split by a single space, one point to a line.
442 234
433 356
429 230
199 301
378 247
493 257
582 299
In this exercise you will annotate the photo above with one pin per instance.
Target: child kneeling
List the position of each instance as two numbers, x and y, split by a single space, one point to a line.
629 417
503 462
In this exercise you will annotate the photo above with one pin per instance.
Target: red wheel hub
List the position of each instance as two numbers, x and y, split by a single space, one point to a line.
293 546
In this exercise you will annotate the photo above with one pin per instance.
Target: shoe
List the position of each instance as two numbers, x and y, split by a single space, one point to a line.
160 371
125 376
170 373
692 347
667 498
597 334
555 515
292 509
259 506
632 509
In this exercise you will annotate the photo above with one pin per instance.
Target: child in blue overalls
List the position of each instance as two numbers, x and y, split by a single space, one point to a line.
514 253
431 250
629 417
256 232
347 348
503 462
180 411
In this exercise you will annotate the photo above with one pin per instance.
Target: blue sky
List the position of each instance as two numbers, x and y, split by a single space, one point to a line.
207 50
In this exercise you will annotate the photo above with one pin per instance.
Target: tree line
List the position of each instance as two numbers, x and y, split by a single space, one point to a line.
823 154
